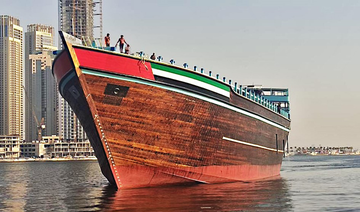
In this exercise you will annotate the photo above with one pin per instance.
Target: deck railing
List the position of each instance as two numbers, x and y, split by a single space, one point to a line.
250 94
240 90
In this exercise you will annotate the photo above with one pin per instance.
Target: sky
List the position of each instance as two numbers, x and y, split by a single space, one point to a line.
311 47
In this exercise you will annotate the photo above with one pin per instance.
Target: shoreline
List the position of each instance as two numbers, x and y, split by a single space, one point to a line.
312 155
18 160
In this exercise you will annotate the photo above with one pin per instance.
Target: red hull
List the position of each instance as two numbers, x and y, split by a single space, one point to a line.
137 176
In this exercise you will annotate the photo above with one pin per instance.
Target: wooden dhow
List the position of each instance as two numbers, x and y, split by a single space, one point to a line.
152 123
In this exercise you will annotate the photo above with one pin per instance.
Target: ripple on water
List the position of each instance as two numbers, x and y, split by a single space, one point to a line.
306 184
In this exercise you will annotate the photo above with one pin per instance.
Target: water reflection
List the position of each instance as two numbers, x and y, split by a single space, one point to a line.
80 186
13 194
50 186
271 195
306 185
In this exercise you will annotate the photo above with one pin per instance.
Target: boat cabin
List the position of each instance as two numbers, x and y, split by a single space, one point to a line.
278 96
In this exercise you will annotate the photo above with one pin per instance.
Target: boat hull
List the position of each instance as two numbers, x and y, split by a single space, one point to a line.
148 133
134 176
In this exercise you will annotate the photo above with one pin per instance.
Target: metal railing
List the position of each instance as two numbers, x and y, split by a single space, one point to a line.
240 90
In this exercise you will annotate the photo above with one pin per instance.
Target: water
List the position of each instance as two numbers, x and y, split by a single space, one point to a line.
323 183
319 183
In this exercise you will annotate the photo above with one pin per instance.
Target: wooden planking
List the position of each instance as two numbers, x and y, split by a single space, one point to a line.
186 130
163 130
81 108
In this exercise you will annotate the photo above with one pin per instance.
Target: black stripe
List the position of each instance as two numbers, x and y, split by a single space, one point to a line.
191 87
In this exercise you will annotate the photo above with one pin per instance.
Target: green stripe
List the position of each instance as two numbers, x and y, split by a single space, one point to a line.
190 75
198 96
66 79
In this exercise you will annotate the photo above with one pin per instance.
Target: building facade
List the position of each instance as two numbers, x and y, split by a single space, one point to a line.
69 125
76 17
11 77
41 100
39 38
53 147
40 88
9 146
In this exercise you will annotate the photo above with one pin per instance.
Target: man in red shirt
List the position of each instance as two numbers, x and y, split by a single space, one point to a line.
107 40
122 42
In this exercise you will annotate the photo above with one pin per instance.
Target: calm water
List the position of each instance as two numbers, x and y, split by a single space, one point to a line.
319 183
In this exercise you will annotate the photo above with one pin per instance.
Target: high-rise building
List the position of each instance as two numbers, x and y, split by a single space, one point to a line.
69 125
81 18
39 38
41 91
41 100
77 18
11 77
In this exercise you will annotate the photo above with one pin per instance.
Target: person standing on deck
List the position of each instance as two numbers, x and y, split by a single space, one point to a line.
107 40
121 42
153 57
127 49
279 107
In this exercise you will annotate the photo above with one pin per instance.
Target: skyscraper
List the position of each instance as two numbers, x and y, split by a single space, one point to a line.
41 92
81 18
42 96
39 38
76 17
11 77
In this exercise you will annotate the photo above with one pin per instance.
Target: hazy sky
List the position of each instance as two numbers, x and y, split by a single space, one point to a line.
311 47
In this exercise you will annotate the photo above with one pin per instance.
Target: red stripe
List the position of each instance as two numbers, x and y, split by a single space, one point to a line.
114 63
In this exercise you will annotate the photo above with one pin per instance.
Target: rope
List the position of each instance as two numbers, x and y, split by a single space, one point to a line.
142 60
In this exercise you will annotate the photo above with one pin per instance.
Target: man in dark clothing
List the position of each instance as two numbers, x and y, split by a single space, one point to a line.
127 49
153 57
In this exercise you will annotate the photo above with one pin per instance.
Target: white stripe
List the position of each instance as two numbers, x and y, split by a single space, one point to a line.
253 145
217 102
192 81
